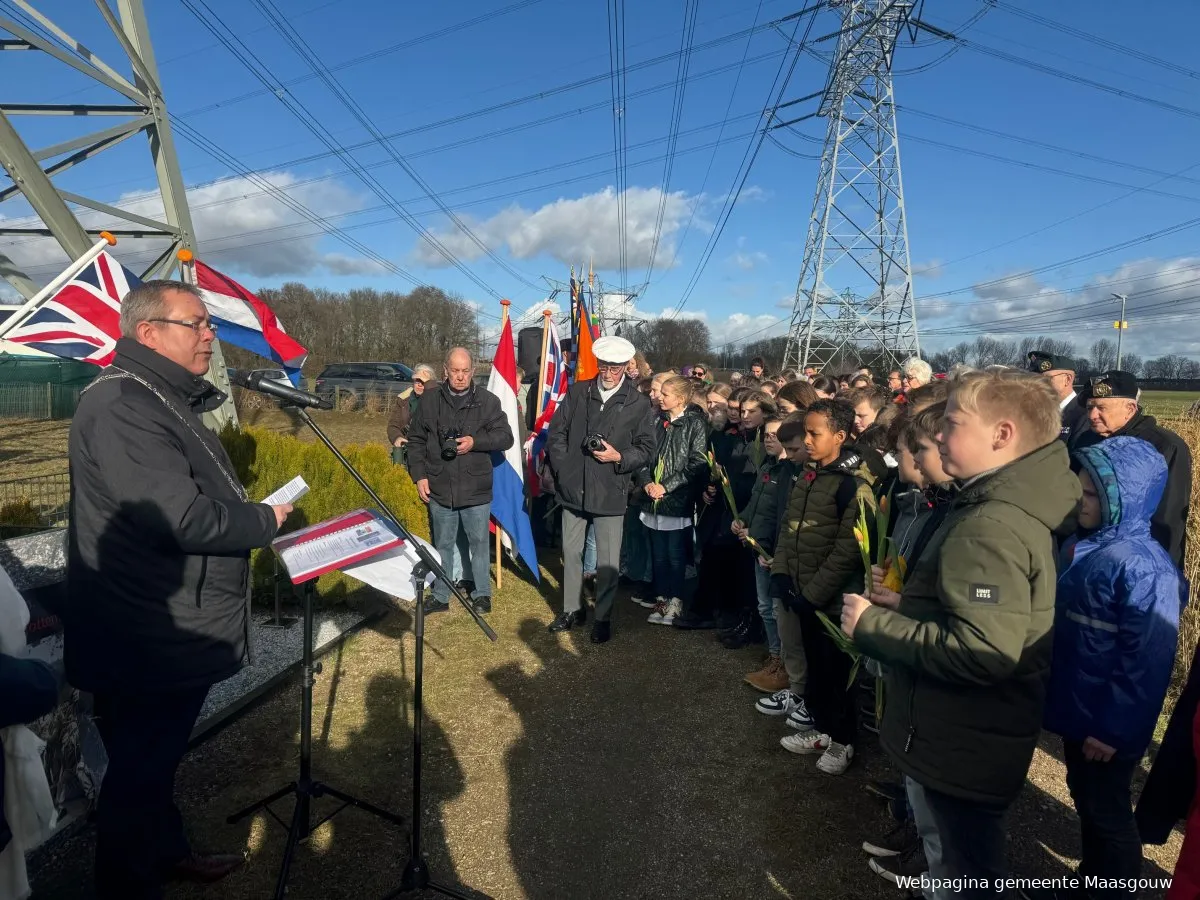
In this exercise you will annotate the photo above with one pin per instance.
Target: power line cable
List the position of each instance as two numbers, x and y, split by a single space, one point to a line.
305 51
775 96
690 8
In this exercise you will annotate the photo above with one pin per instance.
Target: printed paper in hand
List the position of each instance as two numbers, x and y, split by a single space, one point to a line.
289 493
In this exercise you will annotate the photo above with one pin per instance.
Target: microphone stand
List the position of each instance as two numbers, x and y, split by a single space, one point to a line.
416 875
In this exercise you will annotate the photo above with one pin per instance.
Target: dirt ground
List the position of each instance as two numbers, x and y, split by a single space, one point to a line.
556 768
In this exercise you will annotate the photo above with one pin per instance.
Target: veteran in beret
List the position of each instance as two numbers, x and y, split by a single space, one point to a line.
1060 372
1113 410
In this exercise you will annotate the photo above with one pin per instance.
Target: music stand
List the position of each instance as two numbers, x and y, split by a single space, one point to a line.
416 872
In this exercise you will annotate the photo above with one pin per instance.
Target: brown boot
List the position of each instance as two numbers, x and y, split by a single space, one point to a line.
770 678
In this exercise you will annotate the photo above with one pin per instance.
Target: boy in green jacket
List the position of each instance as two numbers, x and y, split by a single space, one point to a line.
967 643
816 560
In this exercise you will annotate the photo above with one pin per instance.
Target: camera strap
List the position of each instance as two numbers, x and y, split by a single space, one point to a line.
460 414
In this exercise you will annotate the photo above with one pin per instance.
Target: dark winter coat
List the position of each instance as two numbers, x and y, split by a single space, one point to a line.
735 453
910 510
682 448
28 690
761 513
160 534
1169 524
816 547
967 653
1116 621
1171 784
1075 423
465 480
626 421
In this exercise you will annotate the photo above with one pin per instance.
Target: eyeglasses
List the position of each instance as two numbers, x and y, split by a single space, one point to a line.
198 327
611 367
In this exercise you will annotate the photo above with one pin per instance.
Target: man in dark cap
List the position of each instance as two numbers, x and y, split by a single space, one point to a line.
1113 410
1060 372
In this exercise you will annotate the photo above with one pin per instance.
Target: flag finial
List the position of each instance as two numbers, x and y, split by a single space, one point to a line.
109 238
185 255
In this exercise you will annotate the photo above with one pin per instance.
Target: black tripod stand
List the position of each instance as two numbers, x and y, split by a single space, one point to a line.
416 872
304 788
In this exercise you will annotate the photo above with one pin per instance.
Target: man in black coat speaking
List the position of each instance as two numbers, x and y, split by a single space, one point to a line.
450 442
601 433
158 578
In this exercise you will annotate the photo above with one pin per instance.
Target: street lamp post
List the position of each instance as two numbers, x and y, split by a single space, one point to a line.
1120 325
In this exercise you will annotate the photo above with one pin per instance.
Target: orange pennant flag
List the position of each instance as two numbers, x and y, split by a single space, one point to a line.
585 359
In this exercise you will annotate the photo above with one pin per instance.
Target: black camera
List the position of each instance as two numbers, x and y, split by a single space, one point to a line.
449 438
593 443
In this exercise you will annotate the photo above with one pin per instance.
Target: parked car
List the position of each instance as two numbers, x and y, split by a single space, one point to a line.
351 383
255 400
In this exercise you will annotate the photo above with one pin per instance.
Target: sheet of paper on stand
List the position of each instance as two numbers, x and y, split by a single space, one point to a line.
392 571
289 493
334 544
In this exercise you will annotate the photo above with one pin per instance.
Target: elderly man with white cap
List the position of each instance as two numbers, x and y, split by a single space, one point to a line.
601 434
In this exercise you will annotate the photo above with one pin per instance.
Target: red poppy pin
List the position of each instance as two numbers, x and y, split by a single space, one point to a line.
810 476
766 478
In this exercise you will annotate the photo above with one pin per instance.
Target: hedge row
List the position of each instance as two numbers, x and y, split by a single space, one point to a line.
266 460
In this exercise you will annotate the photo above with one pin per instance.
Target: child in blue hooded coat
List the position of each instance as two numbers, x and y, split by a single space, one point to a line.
1115 631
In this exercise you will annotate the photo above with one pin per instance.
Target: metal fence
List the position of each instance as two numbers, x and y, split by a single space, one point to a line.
24 400
34 504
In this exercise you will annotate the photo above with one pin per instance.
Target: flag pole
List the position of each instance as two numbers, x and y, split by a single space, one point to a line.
31 305
226 413
504 305
541 397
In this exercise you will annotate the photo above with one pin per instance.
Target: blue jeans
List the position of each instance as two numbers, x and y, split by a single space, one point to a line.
471 522
458 563
766 606
589 551
668 550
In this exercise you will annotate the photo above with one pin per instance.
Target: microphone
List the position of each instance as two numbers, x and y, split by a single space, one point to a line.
253 381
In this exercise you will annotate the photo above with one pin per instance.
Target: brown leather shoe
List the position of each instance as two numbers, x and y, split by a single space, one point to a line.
206 869
770 678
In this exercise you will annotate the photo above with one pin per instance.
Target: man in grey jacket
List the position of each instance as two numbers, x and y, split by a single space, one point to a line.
158 573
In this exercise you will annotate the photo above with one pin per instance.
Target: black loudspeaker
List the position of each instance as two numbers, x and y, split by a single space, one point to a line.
529 351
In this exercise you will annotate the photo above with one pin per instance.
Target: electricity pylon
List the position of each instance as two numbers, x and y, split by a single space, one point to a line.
854 295
139 108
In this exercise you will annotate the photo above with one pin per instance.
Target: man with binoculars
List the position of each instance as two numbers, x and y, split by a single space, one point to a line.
601 434
450 440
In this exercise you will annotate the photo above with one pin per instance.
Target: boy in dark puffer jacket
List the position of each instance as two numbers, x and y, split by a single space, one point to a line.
817 560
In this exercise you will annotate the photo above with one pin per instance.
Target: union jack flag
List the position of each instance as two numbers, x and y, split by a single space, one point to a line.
553 386
81 321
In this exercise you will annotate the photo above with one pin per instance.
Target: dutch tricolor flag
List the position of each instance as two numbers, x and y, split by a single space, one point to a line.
247 322
508 483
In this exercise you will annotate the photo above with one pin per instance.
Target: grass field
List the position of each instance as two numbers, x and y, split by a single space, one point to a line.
1168 404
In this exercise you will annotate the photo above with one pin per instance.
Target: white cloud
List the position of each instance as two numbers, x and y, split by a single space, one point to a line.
933 268
747 262
787 301
1161 310
231 216
575 230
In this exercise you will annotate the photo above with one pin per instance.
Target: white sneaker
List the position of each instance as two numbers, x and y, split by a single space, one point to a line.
836 758
800 718
660 608
643 602
674 609
779 703
806 742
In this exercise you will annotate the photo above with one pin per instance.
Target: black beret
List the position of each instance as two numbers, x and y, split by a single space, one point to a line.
1042 362
1111 384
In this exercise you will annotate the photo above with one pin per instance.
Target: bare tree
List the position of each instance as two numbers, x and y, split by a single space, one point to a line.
669 343
1103 356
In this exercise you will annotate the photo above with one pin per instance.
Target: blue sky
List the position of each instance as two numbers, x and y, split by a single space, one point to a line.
534 180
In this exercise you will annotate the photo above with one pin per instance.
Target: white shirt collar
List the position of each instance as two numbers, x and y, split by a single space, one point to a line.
1063 404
